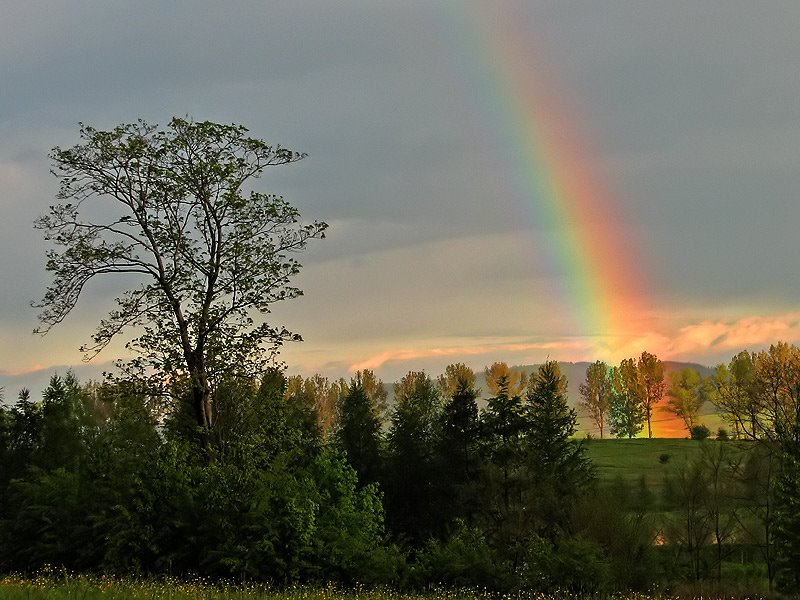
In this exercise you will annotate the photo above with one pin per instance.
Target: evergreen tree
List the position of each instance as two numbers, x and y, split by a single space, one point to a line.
358 433
6 439
25 436
63 423
505 483
459 453
558 466
414 503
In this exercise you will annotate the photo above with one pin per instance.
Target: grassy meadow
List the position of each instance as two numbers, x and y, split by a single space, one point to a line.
630 459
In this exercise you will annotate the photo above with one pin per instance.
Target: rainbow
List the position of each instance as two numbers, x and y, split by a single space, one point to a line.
551 168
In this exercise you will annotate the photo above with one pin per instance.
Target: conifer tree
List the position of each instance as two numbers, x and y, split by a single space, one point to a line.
558 466
358 431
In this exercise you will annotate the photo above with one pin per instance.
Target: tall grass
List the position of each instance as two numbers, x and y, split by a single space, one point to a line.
51 585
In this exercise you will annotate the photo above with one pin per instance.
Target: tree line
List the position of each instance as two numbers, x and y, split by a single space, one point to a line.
313 480
101 477
756 393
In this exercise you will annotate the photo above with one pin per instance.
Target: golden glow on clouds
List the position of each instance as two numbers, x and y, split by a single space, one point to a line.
461 352
705 342
23 370
735 335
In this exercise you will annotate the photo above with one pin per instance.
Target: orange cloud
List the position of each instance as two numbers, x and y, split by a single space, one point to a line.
695 341
373 362
23 371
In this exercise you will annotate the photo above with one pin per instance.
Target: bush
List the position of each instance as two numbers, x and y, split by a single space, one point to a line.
700 432
464 560
581 566
578 565
722 435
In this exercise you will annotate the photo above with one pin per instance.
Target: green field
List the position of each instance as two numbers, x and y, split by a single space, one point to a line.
641 459
632 458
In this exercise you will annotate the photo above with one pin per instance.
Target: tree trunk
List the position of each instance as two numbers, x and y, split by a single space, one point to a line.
201 399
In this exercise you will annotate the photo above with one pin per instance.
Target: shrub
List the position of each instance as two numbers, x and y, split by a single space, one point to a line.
463 560
700 432
578 565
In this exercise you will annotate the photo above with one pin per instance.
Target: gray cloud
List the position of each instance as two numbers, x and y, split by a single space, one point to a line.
689 110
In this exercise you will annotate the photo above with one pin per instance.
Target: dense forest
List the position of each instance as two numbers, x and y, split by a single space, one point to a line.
304 479
200 456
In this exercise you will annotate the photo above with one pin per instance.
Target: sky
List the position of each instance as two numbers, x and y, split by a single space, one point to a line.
504 180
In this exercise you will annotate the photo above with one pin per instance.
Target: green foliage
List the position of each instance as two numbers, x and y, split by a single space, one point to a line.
504 481
169 208
274 505
459 447
46 522
759 393
25 435
627 415
358 432
348 540
700 432
576 566
412 491
619 519
733 389
464 560
503 424
596 394
787 520
580 566
558 468
504 499
704 492
686 394
651 386
64 408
